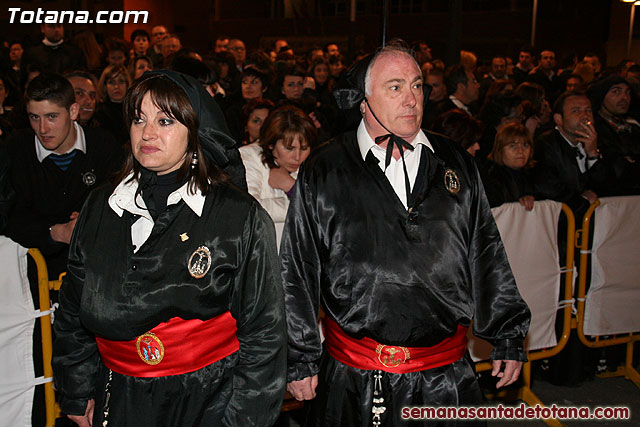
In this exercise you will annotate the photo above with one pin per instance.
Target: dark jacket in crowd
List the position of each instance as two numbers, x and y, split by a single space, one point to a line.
557 175
56 59
503 184
46 195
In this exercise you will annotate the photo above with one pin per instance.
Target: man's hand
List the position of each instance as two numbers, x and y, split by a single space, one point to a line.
510 374
588 136
590 196
62 232
280 178
527 202
85 420
304 389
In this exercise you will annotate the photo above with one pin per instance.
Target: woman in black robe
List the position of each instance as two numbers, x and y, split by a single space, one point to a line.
506 176
172 311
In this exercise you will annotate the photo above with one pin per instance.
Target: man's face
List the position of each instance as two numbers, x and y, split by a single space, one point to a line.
170 45
158 33
439 91
498 67
85 93
617 99
280 44
15 53
53 124
525 59
575 114
53 32
333 49
573 83
547 60
3 92
140 45
395 96
471 90
595 63
221 45
238 50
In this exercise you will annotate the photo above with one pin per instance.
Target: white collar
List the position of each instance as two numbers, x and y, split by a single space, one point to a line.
578 145
50 44
366 143
461 105
79 144
122 198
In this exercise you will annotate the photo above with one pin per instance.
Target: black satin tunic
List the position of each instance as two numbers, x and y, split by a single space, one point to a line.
118 294
401 277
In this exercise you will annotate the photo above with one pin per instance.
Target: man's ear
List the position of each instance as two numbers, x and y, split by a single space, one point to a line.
73 110
362 107
557 118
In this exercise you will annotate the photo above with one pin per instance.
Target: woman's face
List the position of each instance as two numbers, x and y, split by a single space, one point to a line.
321 73
142 65
292 87
252 87
290 158
158 142
140 45
256 119
116 57
516 153
116 88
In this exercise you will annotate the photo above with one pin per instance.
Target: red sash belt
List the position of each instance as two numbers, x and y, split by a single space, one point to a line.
172 348
368 354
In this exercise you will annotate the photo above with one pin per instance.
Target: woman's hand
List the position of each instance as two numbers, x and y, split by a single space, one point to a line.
527 202
85 420
280 178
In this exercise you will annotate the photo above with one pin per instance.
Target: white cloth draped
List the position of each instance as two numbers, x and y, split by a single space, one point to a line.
530 240
613 301
17 377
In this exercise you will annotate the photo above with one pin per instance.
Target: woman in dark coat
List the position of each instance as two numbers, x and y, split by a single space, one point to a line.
172 311
506 175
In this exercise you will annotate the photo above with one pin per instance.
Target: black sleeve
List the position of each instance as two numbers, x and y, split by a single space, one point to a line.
501 315
75 355
300 256
258 307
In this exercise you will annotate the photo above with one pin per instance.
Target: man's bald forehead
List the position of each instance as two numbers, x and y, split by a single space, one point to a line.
384 54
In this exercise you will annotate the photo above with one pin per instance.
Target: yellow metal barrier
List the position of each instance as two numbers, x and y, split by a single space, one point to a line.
44 286
525 393
628 371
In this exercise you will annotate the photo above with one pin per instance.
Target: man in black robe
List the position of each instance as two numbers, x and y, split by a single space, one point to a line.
390 232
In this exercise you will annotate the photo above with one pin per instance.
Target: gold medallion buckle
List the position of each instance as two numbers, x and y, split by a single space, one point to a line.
388 359
150 348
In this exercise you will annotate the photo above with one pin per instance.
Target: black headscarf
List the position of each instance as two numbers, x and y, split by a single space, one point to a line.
213 133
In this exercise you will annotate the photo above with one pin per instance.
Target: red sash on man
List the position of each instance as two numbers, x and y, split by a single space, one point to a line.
172 348
368 354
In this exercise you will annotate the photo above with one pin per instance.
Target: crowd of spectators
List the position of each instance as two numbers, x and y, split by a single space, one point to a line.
536 130
581 119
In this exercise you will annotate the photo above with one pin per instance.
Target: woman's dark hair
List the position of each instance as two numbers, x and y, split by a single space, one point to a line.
286 123
506 134
499 106
134 64
532 92
172 100
293 70
111 71
254 71
255 104
460 127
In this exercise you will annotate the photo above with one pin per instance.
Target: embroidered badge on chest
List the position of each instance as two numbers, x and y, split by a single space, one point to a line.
451 181
89 178
150 348
200 262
